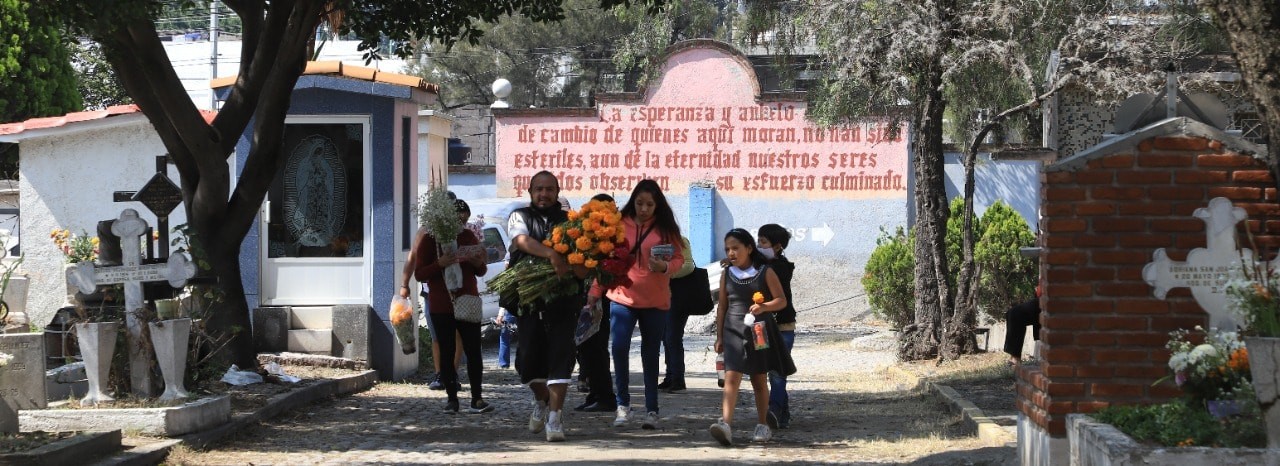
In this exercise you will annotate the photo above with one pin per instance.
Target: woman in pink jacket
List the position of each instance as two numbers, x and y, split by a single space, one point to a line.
648 222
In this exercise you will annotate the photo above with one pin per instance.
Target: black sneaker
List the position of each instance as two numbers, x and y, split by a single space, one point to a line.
479 407
673 387
771 419
435 384
665 384
451 407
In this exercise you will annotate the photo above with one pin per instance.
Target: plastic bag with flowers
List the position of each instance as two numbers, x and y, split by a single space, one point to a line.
402 321
1215 369
593 243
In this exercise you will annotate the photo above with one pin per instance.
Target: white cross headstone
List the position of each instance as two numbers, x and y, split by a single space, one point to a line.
86 276
1206 270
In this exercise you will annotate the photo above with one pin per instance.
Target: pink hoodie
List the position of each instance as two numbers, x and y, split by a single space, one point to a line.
648 289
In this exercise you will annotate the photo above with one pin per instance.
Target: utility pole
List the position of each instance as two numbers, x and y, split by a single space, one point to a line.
213 51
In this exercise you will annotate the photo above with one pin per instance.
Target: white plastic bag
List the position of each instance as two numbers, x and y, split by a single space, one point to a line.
235 376
274 369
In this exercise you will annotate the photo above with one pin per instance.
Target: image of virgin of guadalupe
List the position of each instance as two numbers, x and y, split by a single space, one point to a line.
315 192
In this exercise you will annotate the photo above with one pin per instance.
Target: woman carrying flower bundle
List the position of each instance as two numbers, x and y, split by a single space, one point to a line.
647 221
427 264
743 290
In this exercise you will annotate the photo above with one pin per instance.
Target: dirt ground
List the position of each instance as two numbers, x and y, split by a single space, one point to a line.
847 409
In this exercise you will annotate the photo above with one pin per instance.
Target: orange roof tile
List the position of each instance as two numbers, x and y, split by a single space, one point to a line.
74 117
338 68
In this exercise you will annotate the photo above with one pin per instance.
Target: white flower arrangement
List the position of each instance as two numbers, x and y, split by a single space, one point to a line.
5 358
438 214
1210 370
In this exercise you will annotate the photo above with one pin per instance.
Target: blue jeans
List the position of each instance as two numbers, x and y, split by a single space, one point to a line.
506 340
652 324
779 402
673 346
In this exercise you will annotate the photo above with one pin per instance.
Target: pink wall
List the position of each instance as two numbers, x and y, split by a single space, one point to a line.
701 121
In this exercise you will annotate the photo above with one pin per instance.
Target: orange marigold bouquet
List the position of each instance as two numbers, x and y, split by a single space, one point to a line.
592 240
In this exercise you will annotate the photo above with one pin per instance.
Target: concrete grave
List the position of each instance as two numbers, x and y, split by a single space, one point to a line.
22 378
86 276
351 331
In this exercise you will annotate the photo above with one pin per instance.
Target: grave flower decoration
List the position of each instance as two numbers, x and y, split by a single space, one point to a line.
76 248
1253 299
1215 368
592 241
5 358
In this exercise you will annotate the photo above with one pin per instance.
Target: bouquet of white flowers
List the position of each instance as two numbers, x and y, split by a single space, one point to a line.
438 214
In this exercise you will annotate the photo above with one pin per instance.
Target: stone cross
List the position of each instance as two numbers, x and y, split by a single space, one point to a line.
1206 270
86 276
21 377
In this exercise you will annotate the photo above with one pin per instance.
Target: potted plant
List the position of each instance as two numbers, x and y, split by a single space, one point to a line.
1253 301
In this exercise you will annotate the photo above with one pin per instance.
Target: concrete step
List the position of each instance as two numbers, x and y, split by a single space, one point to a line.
311 341
310 317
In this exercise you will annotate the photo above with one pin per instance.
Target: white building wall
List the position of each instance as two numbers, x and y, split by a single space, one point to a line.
69 185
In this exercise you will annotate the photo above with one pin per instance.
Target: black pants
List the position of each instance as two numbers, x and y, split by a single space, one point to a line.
446 325
593 357
1018 318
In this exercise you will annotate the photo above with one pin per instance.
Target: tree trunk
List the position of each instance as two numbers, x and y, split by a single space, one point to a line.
1253 29
933 296
958 337
220 215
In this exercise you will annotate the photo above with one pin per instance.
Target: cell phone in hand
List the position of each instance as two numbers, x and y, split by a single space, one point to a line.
663 251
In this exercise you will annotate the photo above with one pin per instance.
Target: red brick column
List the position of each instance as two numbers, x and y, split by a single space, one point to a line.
1103 330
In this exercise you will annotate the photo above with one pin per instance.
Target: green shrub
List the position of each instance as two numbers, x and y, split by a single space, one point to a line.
1007 277
1181 424
889 278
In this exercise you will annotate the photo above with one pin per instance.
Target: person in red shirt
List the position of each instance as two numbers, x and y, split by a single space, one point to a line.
427 264
648 221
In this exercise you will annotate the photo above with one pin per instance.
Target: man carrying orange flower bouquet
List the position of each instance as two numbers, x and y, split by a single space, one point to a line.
545 356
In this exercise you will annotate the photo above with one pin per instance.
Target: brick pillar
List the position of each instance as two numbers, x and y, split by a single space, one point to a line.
1103 331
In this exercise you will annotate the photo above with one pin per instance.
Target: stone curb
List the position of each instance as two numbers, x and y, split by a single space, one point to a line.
987 429
155 453
66 451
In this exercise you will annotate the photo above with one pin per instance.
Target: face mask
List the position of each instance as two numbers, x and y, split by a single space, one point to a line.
768 252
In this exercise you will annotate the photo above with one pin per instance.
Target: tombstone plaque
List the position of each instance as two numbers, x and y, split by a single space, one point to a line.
22 378
1206 270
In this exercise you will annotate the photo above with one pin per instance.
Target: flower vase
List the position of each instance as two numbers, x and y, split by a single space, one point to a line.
97 345
1264 365
169 337
452 273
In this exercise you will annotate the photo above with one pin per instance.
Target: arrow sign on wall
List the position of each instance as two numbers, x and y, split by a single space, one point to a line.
823 234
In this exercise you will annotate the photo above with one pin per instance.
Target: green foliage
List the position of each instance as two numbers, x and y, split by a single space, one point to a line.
1182 424
97 83
889 278
650 34
36 78
424 348
1007 276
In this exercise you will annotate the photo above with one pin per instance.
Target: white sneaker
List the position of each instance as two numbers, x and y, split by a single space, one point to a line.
762 434
555 428
650 421
538 418
623 415
722 433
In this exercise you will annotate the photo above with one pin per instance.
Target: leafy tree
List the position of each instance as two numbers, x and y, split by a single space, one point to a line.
275 39
1253 33
924 62
36 79
565 64
37 76
97 82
